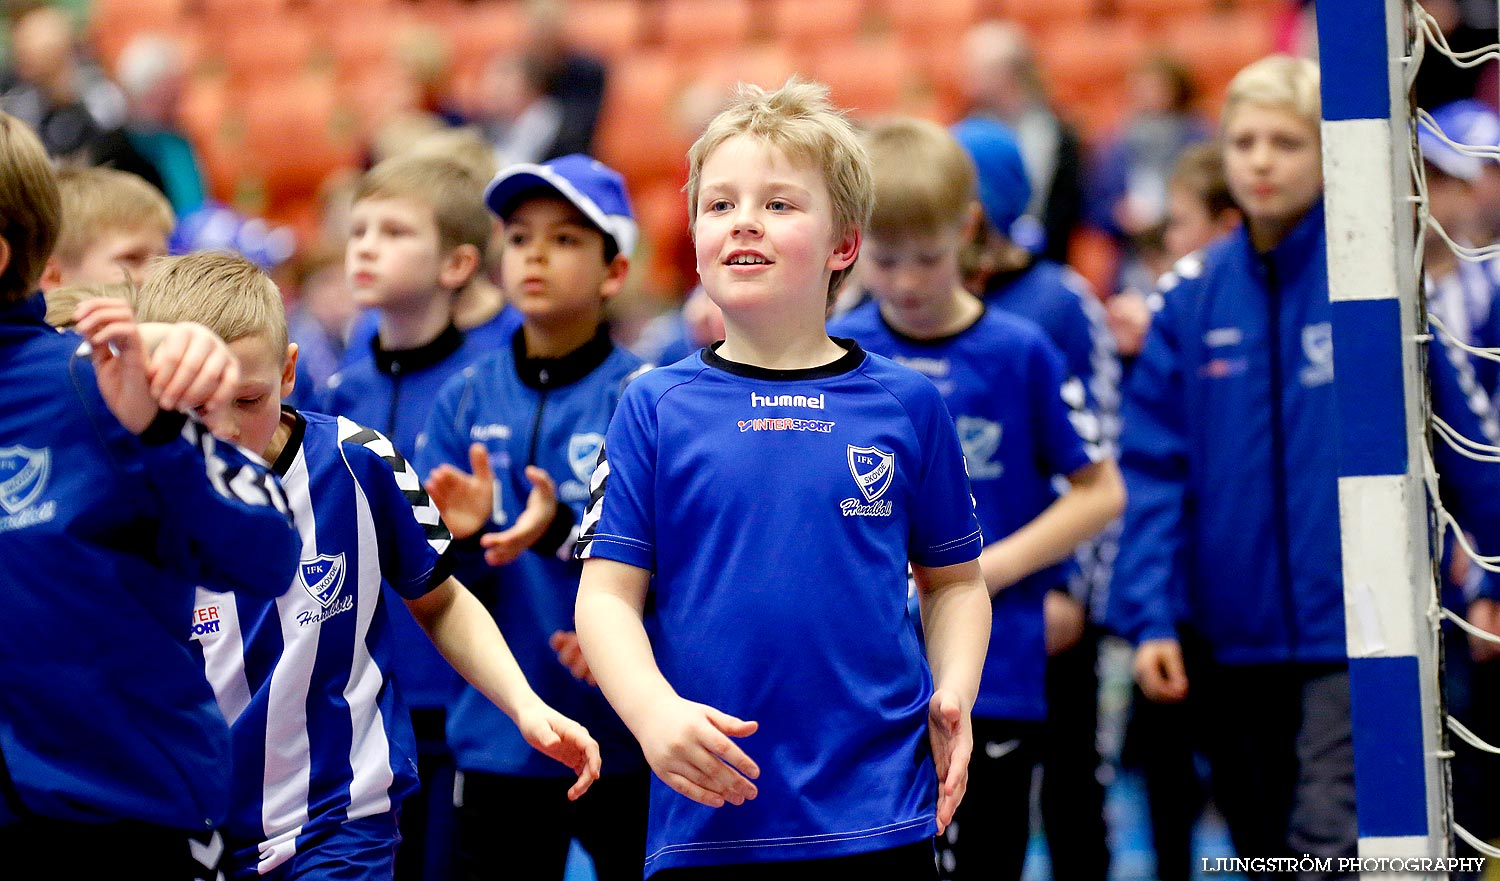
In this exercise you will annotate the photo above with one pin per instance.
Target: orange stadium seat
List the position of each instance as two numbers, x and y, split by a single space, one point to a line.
637 112
695 28
297 133
1084 59
112 23
478 31
932 17
1156 14
800 25
610 28
256 46
869 77
1216 47
1039 18
765 64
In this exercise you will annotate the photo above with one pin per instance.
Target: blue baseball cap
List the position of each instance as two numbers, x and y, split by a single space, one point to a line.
1470 122
588 184
1004 189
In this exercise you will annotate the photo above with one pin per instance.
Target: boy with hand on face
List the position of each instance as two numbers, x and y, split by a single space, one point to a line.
324 750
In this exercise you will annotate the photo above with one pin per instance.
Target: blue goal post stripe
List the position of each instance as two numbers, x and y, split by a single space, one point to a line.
1389 762
1370 387
1352 51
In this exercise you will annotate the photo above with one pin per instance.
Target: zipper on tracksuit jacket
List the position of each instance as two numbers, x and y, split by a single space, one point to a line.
1278 459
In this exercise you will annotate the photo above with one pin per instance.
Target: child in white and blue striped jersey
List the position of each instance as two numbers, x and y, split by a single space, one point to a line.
323 745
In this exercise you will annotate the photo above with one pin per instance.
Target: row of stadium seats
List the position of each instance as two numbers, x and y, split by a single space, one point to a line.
285 92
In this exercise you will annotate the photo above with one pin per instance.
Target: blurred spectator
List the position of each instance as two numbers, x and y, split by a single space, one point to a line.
320 320
67 100
574 80
1199 210
150 71
1439 80
521 121
1001 80
1128 196
674 335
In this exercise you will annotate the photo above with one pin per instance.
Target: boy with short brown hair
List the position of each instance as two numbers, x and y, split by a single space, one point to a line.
771 492
113 224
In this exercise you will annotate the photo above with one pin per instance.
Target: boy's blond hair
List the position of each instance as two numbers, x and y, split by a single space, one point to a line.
451 189
924 179
798 120
97 201
1278 81
29 208
63 302
223 291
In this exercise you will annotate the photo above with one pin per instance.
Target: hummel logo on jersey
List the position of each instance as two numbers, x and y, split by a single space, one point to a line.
813 403
872 470
322 577
23 477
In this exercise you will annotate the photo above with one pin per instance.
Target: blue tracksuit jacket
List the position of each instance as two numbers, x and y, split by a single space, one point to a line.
104 536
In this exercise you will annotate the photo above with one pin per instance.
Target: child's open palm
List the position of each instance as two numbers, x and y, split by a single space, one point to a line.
688 746
556 736
465 500
952 739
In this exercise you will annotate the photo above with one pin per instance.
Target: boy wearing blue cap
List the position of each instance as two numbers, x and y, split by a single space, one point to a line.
529 421
1022 424
1012 279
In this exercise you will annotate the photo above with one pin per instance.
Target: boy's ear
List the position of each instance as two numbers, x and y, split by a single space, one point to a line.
972 219
614 276
51 272
846 249
289 371
459 267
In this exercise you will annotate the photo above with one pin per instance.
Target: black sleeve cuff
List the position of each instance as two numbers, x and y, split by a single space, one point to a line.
167 425
558 532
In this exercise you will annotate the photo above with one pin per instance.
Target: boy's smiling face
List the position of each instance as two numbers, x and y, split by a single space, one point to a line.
763 230
553 266
394 255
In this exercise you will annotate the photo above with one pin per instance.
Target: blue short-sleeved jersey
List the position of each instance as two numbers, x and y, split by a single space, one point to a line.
392 392
778 511
320 734
1021 421
550 412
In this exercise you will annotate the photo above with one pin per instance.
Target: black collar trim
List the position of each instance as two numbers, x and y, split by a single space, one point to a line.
850 361
932 341
288 453
395 362
542 373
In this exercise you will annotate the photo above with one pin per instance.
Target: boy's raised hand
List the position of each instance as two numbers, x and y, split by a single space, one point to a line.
119 359
465 500
190 368
952 737
501 548
688 745
556 736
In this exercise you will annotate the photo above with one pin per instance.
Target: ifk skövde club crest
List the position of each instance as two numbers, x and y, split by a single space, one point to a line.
872 470
323 576
23 476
